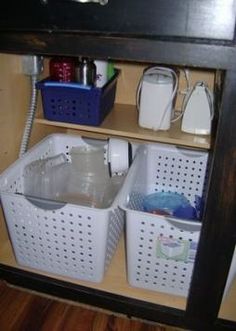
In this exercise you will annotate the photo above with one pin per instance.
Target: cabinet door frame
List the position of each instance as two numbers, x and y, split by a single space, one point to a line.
159 18
213 261
218 235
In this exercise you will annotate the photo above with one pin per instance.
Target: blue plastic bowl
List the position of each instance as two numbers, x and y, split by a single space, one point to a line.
168 203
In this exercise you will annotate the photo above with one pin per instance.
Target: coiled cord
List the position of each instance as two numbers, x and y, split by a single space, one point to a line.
30 116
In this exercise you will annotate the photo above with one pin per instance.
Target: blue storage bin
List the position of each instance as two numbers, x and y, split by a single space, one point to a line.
76 103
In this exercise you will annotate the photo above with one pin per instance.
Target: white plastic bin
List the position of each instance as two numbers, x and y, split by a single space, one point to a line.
61 238
161 250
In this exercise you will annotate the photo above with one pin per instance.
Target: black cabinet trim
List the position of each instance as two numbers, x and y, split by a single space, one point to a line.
112 302
218 235
212 19
188 52
90 296
213 259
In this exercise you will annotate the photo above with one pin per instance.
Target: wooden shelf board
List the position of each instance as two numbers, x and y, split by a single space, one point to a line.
227 309
123 122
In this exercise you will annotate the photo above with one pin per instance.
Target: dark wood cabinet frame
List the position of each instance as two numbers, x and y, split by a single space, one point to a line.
219 226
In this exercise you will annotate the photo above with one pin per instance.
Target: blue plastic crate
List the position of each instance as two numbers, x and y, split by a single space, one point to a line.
76 103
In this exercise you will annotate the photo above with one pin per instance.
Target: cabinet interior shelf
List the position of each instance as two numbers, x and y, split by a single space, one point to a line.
123 122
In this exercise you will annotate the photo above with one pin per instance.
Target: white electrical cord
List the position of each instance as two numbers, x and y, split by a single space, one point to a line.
186 74
161 71
188 88
30 116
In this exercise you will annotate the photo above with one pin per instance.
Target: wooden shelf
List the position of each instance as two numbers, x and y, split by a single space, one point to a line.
227 309
123 122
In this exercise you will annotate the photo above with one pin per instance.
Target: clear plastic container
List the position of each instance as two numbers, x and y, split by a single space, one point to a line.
88 178
83 181
46 178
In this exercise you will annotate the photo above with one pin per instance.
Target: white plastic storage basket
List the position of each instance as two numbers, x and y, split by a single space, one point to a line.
161 250
65 239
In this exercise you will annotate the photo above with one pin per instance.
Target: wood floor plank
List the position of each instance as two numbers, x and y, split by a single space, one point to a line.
24 311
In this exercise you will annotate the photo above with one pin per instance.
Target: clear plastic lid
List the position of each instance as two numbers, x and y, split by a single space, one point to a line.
156 78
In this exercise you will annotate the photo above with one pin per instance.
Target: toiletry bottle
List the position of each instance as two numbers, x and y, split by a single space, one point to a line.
87 72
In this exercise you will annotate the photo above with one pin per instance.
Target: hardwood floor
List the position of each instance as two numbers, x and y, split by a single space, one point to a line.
24 311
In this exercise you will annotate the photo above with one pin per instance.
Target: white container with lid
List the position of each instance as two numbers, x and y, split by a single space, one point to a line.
156 94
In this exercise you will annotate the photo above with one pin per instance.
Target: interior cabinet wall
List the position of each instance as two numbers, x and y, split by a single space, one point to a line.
15 89
131 73
14 96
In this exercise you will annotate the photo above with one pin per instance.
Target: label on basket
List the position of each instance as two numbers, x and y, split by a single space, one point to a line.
176 249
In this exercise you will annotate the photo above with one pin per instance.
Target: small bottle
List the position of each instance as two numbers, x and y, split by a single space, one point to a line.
62 69
87 72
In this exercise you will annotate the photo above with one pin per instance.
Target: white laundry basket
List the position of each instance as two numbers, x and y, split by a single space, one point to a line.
161 250
65 239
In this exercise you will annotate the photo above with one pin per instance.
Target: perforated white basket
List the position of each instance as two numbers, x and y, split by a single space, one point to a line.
65 239
161 250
